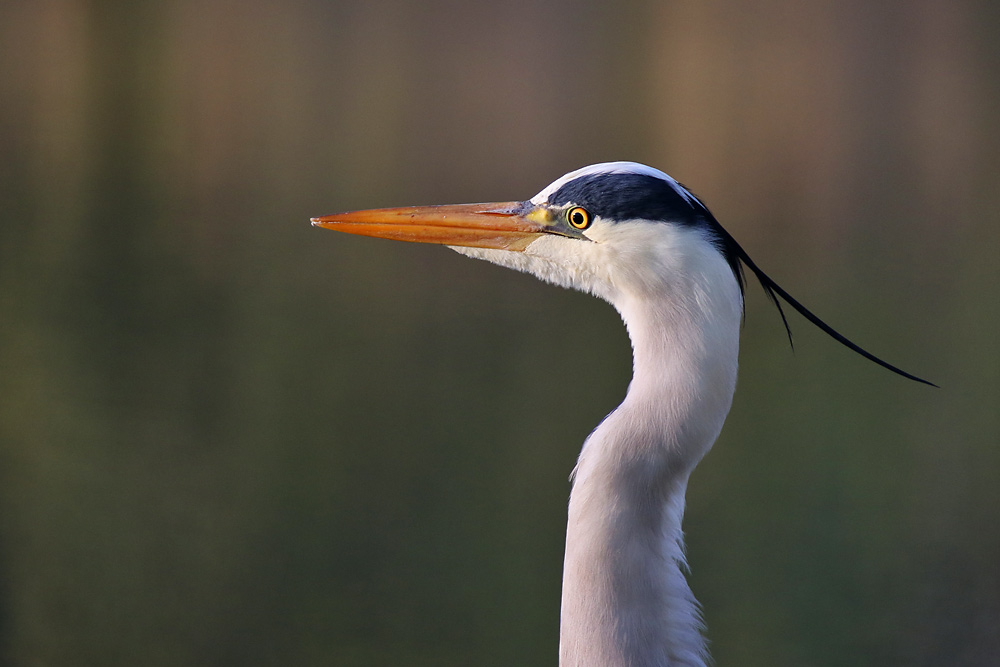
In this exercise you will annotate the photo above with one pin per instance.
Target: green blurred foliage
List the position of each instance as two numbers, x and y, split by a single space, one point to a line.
229 438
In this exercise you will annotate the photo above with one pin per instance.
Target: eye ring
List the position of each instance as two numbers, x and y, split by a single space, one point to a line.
578 217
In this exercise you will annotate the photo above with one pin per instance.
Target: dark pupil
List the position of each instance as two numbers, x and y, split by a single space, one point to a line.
578 218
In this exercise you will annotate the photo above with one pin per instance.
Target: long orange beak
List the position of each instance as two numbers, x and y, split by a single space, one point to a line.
503 225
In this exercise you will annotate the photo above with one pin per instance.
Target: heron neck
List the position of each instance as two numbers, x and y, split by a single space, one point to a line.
625 598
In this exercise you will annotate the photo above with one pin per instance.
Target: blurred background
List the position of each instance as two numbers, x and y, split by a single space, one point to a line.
229 438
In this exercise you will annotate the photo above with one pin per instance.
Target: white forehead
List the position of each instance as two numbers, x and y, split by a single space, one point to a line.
610 168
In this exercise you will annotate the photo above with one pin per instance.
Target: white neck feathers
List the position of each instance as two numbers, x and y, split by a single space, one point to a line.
625 598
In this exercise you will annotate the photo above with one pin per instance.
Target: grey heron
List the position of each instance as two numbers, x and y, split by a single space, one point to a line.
635 237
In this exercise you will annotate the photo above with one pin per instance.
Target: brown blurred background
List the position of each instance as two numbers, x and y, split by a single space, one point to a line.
228 438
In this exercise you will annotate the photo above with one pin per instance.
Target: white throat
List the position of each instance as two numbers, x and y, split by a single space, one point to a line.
625 600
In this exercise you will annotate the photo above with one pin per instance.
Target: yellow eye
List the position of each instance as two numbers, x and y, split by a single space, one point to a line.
578 217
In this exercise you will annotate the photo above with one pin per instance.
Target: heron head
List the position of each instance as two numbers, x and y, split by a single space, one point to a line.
602 229
619 230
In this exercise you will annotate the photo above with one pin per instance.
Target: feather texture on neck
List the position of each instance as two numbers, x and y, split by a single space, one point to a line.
625 599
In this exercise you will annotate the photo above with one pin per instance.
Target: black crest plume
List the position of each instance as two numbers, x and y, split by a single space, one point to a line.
774 291
629 196
736 255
